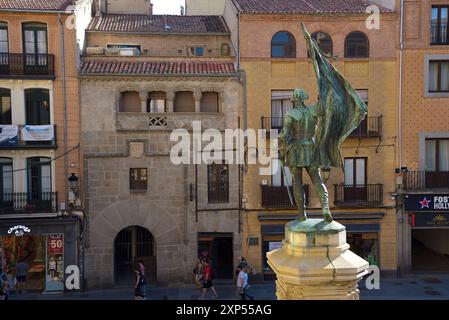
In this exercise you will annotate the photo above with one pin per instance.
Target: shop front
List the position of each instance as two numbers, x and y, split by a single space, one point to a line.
428 216
46 245
363 240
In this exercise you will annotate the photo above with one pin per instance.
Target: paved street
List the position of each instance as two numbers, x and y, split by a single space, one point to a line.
421 287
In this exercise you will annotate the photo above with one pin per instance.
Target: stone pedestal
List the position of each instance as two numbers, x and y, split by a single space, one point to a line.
315 263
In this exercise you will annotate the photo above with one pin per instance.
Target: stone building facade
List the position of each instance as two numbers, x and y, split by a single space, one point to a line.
130 107
273 55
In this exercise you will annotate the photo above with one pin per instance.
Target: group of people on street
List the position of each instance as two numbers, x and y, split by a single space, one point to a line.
8 281
204 275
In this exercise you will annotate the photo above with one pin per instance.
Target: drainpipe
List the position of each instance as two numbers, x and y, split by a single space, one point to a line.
402 241
64 93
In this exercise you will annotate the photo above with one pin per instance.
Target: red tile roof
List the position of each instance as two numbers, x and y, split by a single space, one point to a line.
156 68
35 5
305 6
158 23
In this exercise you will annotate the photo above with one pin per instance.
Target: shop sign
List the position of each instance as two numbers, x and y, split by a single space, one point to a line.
430 220
19 230
427 202
55 244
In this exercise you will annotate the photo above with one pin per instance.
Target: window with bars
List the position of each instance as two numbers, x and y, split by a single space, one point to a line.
439 76
439 25
138 179
218 183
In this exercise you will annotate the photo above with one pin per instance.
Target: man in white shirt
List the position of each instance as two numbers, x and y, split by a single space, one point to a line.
242 284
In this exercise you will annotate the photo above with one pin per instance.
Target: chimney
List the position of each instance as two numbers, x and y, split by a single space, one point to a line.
151 9
100 7
182 10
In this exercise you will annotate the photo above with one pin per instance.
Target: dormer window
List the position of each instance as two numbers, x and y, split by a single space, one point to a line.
195 51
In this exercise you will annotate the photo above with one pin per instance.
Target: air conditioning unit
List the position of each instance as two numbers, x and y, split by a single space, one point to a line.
129 52
112 51
94 50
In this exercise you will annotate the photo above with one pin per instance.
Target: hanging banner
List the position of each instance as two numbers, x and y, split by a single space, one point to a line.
9 135
38 133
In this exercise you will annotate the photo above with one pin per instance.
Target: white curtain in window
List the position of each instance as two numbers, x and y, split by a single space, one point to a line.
46 178
433 76
42 41
30 42
360 172
3 41
349 172
276 108
288 105
431 146
444 76
444 155
276 178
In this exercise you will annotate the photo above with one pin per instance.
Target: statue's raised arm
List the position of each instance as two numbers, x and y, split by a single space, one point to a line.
341 109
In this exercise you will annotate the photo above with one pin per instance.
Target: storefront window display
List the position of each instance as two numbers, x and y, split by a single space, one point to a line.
365 245
270 243
44 255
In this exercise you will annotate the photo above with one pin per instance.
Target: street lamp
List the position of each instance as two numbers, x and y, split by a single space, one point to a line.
326 173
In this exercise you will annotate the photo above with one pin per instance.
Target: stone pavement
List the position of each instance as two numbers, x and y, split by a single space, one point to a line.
418 287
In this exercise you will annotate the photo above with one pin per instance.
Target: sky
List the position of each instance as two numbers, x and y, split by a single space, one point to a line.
167 6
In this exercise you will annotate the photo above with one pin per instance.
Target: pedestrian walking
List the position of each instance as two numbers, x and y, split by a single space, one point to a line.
208 273
242 284
139 288
21 275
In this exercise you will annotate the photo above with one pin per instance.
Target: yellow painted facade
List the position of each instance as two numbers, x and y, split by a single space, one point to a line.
378 74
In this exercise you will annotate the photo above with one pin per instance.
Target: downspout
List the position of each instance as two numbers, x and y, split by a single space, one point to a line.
64 93
399 200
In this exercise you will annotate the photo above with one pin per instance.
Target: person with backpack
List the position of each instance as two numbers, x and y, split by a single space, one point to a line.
139 288
208 274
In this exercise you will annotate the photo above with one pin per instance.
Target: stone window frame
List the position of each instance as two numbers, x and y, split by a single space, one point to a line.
423 136
427 59
138 186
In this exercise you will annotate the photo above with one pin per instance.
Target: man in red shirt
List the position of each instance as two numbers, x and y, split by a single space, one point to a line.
207 280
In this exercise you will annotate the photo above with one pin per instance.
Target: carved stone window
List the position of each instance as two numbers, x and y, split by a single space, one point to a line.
130 102
184 102
209 102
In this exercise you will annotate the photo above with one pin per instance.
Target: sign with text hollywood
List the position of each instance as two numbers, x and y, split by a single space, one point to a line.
427 202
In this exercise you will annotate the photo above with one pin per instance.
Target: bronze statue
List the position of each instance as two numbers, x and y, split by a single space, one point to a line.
312 136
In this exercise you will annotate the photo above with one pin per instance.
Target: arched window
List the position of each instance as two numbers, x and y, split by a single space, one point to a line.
324 42
356 45
5 106
283 45
209 102
184 102
225 50
157 102
130 102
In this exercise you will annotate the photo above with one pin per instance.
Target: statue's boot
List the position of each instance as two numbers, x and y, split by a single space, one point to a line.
302 216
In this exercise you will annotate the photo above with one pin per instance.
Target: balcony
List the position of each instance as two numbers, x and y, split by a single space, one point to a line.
19 65
28 202
277 197
28 137
421 180
370 127
358 196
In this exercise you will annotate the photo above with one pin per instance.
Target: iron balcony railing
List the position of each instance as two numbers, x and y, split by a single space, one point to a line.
20 142
438 34
365 196
27 65
421 180
371 127
28 202
277 197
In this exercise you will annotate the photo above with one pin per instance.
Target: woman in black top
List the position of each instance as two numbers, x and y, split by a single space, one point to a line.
139 288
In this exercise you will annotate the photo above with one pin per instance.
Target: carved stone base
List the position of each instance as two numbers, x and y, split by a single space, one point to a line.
315 263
